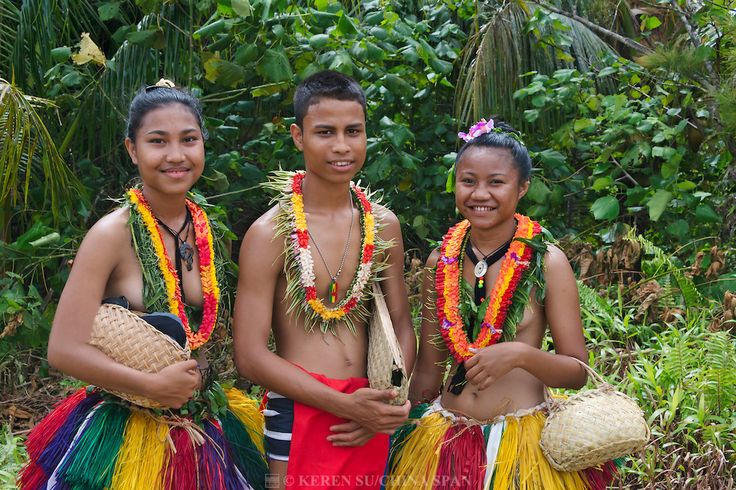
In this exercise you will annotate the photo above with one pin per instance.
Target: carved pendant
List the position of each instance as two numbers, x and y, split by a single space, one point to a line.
186 252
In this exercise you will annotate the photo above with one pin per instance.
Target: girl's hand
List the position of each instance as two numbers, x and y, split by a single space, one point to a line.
174 385
492 362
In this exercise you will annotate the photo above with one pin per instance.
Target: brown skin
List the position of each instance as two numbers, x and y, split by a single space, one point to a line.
169 153
507 376
332 131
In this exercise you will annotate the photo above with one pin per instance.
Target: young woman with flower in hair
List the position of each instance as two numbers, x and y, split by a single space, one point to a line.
161 254
497 285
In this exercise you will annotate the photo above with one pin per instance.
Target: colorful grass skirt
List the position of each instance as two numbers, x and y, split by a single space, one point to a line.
441 450
91 441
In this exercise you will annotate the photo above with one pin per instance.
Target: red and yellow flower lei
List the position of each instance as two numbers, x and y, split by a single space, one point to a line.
447 284
206 254
305 263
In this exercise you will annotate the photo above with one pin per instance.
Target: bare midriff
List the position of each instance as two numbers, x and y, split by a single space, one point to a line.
514 391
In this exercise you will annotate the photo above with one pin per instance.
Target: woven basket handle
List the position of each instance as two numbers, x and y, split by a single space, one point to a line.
597 378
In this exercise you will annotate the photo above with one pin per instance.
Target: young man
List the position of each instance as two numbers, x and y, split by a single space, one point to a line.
325 428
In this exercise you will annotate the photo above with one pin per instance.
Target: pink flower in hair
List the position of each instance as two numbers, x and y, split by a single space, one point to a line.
481 127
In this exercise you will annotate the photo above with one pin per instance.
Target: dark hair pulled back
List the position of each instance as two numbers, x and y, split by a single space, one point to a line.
502 136
154 97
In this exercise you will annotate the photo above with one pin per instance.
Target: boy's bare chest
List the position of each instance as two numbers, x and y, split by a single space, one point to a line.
335 248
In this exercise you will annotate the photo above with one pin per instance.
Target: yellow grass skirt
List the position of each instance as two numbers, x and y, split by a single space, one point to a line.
441 450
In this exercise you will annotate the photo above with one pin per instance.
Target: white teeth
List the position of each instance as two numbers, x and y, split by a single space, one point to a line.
340 164
482 208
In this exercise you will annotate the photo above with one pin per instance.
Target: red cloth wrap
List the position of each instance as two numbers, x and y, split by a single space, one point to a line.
314 463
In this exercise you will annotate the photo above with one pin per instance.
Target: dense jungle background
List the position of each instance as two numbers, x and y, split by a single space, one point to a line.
629 107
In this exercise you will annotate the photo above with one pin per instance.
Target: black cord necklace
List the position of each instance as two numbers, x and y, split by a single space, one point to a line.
182 249
458 381
481 266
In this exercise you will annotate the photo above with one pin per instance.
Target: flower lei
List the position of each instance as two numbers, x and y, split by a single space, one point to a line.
303 254
447 284
205 250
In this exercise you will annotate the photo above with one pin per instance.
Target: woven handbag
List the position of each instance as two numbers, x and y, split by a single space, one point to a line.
592 427
131 341
386 368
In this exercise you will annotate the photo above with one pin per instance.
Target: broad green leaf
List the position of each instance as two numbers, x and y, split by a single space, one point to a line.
374 18
319 41
564 75
46 240
242 7
440 66
108 11
141 37
61 54
669 169
679 228
538 191
246 54
658 203
72 79
686 185
605 208
531 115
704 212
345 25
602 183
229 74
209 29
539 100
652 23
551 159
343 63
583 124
374 52
275 66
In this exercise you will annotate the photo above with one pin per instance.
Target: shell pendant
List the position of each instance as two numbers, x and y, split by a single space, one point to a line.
480 269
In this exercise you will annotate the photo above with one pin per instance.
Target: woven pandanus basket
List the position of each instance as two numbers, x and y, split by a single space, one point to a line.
131 341
385 361
592 427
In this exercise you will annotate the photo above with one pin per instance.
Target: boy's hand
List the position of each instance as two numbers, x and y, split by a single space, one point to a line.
350 434
174 385
368 408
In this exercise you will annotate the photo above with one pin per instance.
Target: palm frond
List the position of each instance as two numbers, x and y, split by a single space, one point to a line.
43 25
28 152
502 51
9 16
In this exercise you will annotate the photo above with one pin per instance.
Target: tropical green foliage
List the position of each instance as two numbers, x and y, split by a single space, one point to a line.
12 456
28 152
633 155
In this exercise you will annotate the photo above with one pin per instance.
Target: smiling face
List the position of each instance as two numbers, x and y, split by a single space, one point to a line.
168 149
333 139
488 187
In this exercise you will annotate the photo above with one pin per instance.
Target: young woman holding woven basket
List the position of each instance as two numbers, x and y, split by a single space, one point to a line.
496 284
164 428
